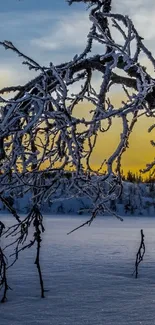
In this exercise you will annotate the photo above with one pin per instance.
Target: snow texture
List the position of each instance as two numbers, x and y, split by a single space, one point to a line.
88 275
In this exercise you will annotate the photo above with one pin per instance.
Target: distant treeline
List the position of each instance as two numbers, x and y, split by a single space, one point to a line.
129 176
138 177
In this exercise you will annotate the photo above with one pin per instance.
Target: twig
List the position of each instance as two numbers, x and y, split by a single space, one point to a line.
37 261
3 276
140 254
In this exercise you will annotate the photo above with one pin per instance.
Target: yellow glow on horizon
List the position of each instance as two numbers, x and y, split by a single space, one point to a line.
140 151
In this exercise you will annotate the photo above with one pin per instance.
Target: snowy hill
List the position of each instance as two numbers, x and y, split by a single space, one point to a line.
136 199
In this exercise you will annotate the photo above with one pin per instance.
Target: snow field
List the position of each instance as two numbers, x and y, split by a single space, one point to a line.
88 275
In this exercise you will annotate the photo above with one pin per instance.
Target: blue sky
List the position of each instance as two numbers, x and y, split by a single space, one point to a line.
50 30
23 5
42 29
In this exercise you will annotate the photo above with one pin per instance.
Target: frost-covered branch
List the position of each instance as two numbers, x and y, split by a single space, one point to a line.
43 128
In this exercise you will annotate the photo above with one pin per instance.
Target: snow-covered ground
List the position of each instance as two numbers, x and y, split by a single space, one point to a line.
88 274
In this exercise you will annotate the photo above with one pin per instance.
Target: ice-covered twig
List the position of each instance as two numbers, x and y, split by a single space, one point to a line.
46 128
140 254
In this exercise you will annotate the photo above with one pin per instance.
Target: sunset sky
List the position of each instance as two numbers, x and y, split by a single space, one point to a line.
50 30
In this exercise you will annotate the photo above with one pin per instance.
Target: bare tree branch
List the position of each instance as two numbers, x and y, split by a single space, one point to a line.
40 125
